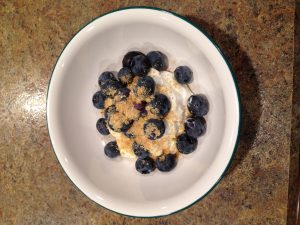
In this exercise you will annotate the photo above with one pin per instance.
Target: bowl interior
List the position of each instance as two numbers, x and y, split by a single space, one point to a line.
71 116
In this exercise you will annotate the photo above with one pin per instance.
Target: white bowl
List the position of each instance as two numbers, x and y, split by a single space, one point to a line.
71 117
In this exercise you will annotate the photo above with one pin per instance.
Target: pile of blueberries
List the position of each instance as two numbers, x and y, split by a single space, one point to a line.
138 64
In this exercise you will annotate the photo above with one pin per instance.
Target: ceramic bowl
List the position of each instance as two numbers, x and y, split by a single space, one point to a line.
115 184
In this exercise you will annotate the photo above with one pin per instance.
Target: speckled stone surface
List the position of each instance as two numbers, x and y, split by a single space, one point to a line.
294 182
257 37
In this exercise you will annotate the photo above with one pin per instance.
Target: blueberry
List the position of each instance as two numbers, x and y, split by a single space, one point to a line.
105 76
125 76
111 149
154 128
183 74
139 150
102 126
166 163
110 87
160 105
140 65
129 134
195 126
145 165
140 106
99 99
118 123
123 93
198 105
126 125
143 113
127 60
158 60
109 110
186 144
145 87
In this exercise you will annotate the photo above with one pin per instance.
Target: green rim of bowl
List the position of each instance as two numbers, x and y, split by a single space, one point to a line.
233 77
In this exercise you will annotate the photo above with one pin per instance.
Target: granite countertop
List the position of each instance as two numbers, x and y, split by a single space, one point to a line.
257 37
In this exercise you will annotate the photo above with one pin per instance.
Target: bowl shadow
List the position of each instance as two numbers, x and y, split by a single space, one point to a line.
248 85
294 176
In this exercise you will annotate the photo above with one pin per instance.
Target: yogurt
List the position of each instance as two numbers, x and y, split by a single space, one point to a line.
178 95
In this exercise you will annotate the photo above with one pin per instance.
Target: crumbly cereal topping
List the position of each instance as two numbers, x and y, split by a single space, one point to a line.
134 114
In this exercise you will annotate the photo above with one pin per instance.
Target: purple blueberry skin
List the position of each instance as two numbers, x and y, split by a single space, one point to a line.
183 74
101 126
198 105
166 163
147 83
158 60
98 100
159 124
140 65
145 165
125 75
186 144
162 104
105 76
195 126
111 149
127 59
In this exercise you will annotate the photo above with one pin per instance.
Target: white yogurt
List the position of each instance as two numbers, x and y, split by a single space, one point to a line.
178 95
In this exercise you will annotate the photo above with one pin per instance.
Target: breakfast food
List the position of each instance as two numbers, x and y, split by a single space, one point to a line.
151 112
183 74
